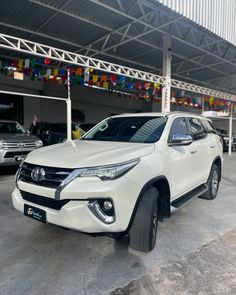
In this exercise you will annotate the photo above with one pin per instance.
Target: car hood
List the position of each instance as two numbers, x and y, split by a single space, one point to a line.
9 137
82 153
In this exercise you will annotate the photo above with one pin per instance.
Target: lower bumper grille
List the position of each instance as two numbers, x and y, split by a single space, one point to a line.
14 154
43 201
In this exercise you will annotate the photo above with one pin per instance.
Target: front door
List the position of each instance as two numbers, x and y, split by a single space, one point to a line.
183 161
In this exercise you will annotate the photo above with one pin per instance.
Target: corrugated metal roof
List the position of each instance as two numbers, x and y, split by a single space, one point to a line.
218 16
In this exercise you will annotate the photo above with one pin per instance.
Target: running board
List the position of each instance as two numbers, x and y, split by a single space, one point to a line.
181 201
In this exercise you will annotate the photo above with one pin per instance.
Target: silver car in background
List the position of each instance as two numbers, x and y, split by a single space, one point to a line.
15 143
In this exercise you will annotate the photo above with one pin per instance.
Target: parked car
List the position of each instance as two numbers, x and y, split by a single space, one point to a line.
123 176
15 143
224 134
234 141
52 133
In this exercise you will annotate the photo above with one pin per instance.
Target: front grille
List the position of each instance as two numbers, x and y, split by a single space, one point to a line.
43 201
14 154
53 176
17 145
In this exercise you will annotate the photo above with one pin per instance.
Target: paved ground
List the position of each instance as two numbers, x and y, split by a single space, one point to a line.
195 253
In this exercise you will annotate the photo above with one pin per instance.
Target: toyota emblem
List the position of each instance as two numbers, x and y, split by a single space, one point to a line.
20 145
38 174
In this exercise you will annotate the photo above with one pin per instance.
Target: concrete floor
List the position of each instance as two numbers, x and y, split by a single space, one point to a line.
195 252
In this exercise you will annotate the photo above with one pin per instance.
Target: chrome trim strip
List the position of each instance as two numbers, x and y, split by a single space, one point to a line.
66 181
18 174
96 210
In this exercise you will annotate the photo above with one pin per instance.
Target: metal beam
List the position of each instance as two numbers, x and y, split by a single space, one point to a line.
71 15
76 45
36 49
179 38
117 31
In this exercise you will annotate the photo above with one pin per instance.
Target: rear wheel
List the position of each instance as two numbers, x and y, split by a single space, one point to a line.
142 234
213 184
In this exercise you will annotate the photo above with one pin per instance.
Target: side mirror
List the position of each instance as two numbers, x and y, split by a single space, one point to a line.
180 139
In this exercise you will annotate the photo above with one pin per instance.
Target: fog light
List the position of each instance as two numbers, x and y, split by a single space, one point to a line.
103 210
107 205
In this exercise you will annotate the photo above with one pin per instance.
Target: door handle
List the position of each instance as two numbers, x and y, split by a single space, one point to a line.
212 146
193 152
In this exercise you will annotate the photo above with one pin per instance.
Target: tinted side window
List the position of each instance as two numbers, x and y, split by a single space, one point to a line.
178 126
197 130
208 126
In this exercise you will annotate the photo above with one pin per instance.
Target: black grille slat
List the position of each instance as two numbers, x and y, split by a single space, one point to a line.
14 154
43 201
53 176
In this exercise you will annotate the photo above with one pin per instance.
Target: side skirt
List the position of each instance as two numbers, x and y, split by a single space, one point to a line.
181 201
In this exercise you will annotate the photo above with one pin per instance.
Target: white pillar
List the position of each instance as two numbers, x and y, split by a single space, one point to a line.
203 106
68 107
166 72
230 129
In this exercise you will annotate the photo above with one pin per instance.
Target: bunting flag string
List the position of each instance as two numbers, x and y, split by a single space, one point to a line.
42 69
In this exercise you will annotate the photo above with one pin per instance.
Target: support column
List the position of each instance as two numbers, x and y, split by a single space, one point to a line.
230 129
68 107
166 72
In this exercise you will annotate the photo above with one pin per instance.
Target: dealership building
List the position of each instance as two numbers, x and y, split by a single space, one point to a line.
81 61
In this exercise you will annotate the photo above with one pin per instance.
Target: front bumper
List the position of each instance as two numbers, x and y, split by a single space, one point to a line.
76 214
8 156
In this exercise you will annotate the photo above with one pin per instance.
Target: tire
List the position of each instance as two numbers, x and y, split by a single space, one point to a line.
142 234
212 183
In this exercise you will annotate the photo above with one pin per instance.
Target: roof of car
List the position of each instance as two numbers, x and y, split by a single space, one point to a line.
159 114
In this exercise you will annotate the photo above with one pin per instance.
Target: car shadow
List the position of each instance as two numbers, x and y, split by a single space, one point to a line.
8 170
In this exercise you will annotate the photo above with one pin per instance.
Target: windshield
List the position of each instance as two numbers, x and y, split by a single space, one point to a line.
11 127
128 129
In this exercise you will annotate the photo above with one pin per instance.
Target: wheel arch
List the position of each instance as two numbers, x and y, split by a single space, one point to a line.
218 162
162 184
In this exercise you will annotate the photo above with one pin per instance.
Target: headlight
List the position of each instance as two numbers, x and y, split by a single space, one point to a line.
38 143
1 143
109 172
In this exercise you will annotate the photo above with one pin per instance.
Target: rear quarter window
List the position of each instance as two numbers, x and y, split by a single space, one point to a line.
197 129
208 126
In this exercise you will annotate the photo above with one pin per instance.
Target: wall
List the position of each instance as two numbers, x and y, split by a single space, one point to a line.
96 104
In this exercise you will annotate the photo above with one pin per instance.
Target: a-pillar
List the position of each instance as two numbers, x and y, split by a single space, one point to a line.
166 72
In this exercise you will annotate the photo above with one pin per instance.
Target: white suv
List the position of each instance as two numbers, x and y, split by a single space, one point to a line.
123 176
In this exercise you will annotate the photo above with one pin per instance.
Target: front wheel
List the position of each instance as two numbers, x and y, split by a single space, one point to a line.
213 184
142 234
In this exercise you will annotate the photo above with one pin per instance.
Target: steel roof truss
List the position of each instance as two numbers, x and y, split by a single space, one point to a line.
128 38
197 32
21 45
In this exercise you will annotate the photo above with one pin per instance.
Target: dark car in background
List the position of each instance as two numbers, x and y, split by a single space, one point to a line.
224 134
52 133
